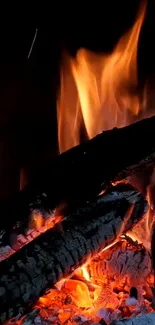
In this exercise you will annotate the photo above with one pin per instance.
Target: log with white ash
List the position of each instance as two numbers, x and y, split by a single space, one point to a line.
79 261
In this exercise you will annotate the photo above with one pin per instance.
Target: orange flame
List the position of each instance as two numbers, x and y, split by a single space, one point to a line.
143 230
37 221
98 92
79 292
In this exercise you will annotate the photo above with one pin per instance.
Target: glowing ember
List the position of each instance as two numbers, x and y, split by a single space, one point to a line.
115 284
110 286
98 92
37 226
37 221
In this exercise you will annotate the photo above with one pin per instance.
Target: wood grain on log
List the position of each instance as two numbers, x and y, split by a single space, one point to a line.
9 237
29 272
126 263
84 171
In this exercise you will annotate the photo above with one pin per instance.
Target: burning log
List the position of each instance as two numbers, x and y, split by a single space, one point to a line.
121 271
126 264
148 319
83 171
29 272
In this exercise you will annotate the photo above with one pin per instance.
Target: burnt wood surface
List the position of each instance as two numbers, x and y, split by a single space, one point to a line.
86 230
126 259
18 236
84 171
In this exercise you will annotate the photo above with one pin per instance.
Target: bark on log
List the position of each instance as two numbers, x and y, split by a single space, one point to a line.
84 170
147 319
29 272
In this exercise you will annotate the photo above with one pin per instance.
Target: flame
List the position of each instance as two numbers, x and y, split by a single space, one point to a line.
79 293
37 220
91 291
96 289
85 272
143 230
98 92
37 226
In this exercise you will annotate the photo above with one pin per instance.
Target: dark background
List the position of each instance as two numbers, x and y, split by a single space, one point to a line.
28 131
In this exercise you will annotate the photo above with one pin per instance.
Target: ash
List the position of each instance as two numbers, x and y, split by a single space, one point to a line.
114 286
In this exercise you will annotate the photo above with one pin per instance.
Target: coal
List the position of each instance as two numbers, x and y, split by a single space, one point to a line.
83 232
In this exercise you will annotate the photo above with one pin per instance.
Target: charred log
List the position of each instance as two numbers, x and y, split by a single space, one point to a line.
125 267
13 239
126 260
84 171
29 272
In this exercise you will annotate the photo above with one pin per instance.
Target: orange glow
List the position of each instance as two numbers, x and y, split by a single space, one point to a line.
79 293
23 178
149 221
37 226
37 221
142 231
93 294
85 272
98 92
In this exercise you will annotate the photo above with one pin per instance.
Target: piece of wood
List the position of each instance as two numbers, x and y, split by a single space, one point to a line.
86 230
125 265
147 319
14 239
128 262
84 171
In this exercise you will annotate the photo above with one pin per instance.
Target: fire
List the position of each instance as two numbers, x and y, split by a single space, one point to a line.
37 220
99 92
85 272
37 226
97 289
143 231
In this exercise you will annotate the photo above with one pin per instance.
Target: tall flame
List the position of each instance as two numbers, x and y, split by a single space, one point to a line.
98 92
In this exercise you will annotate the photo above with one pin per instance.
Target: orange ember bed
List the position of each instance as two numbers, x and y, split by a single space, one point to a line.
78 251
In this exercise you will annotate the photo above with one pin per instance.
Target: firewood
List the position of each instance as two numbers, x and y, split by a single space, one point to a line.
9 237
127 264
147 319
13 241
37 266
83 171
124 268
